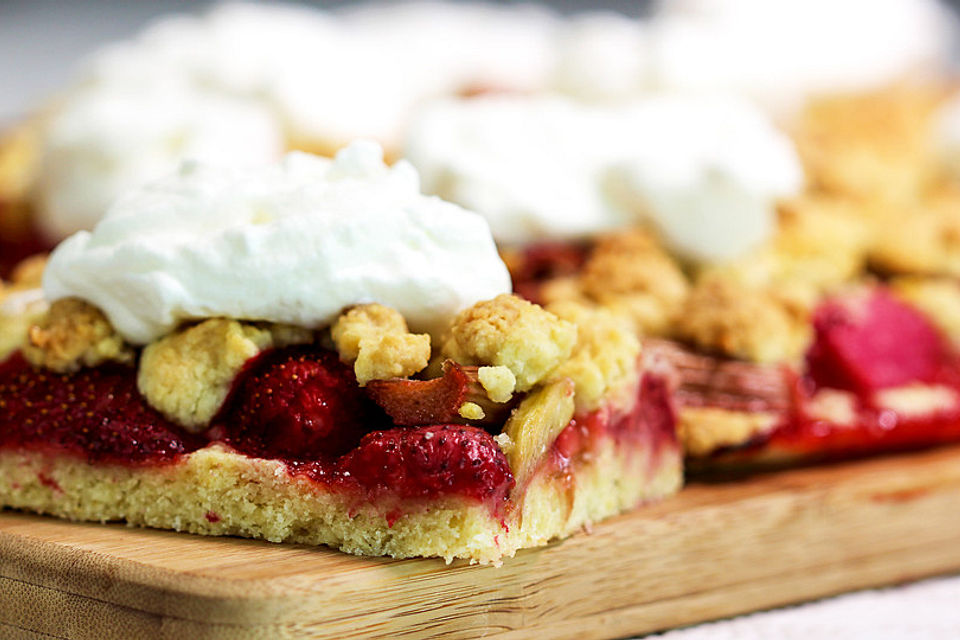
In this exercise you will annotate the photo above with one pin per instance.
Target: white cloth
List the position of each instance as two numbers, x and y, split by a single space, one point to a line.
929 610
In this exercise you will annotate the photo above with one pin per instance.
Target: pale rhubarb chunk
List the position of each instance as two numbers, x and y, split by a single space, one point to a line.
74 334
751 324
604 360
938 298
188 374
535 425
375 339
511 332
631 272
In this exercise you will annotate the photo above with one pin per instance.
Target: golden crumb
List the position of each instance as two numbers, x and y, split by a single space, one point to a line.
187 375
511 332
375 339
871 145
752 324
471 411
498 382
629 271
924 239
20 308
74 334
938 298
703 430
604 361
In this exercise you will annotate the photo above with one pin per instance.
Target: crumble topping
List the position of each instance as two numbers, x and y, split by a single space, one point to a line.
187 375
376 341
938 298
868 146
703 430
74 334
921 240
630 271
605 356
499 382
511 332
748 323
471 411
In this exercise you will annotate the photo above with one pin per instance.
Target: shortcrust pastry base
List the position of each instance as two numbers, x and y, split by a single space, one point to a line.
215 491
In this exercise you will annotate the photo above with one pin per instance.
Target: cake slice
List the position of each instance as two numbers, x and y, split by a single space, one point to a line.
317 353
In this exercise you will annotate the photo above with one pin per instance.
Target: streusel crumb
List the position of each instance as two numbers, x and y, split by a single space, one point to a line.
21 306
376 340
703 430
187 375
511 332
938 298
869 146
924 240
74 334
604 360
632 273
752 324
498 382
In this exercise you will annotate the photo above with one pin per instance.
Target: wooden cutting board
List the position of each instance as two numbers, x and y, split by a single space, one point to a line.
715 550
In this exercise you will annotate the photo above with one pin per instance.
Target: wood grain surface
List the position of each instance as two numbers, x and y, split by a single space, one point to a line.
716 550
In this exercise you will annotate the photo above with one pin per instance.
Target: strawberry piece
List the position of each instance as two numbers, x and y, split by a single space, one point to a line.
419 402
299 403
432 461
872 342
95 413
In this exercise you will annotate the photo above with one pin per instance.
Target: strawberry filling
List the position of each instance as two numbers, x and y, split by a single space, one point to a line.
871 342
299 405
95 413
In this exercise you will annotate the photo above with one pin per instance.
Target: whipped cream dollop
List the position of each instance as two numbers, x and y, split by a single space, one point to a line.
295 243
602 57
706 171
108 140
782 52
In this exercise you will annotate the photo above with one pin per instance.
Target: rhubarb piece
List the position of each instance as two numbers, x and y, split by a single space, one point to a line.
873 341
431 461
535 424
300 403
708 381
439 400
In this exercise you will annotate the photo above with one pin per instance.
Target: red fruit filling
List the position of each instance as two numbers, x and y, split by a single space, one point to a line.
873 342
427 462
545 261
96 413
300 403
649 426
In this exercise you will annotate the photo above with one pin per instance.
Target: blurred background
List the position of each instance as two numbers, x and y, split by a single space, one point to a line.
41 39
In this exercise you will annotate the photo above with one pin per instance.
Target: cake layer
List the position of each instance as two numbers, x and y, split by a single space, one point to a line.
215 491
